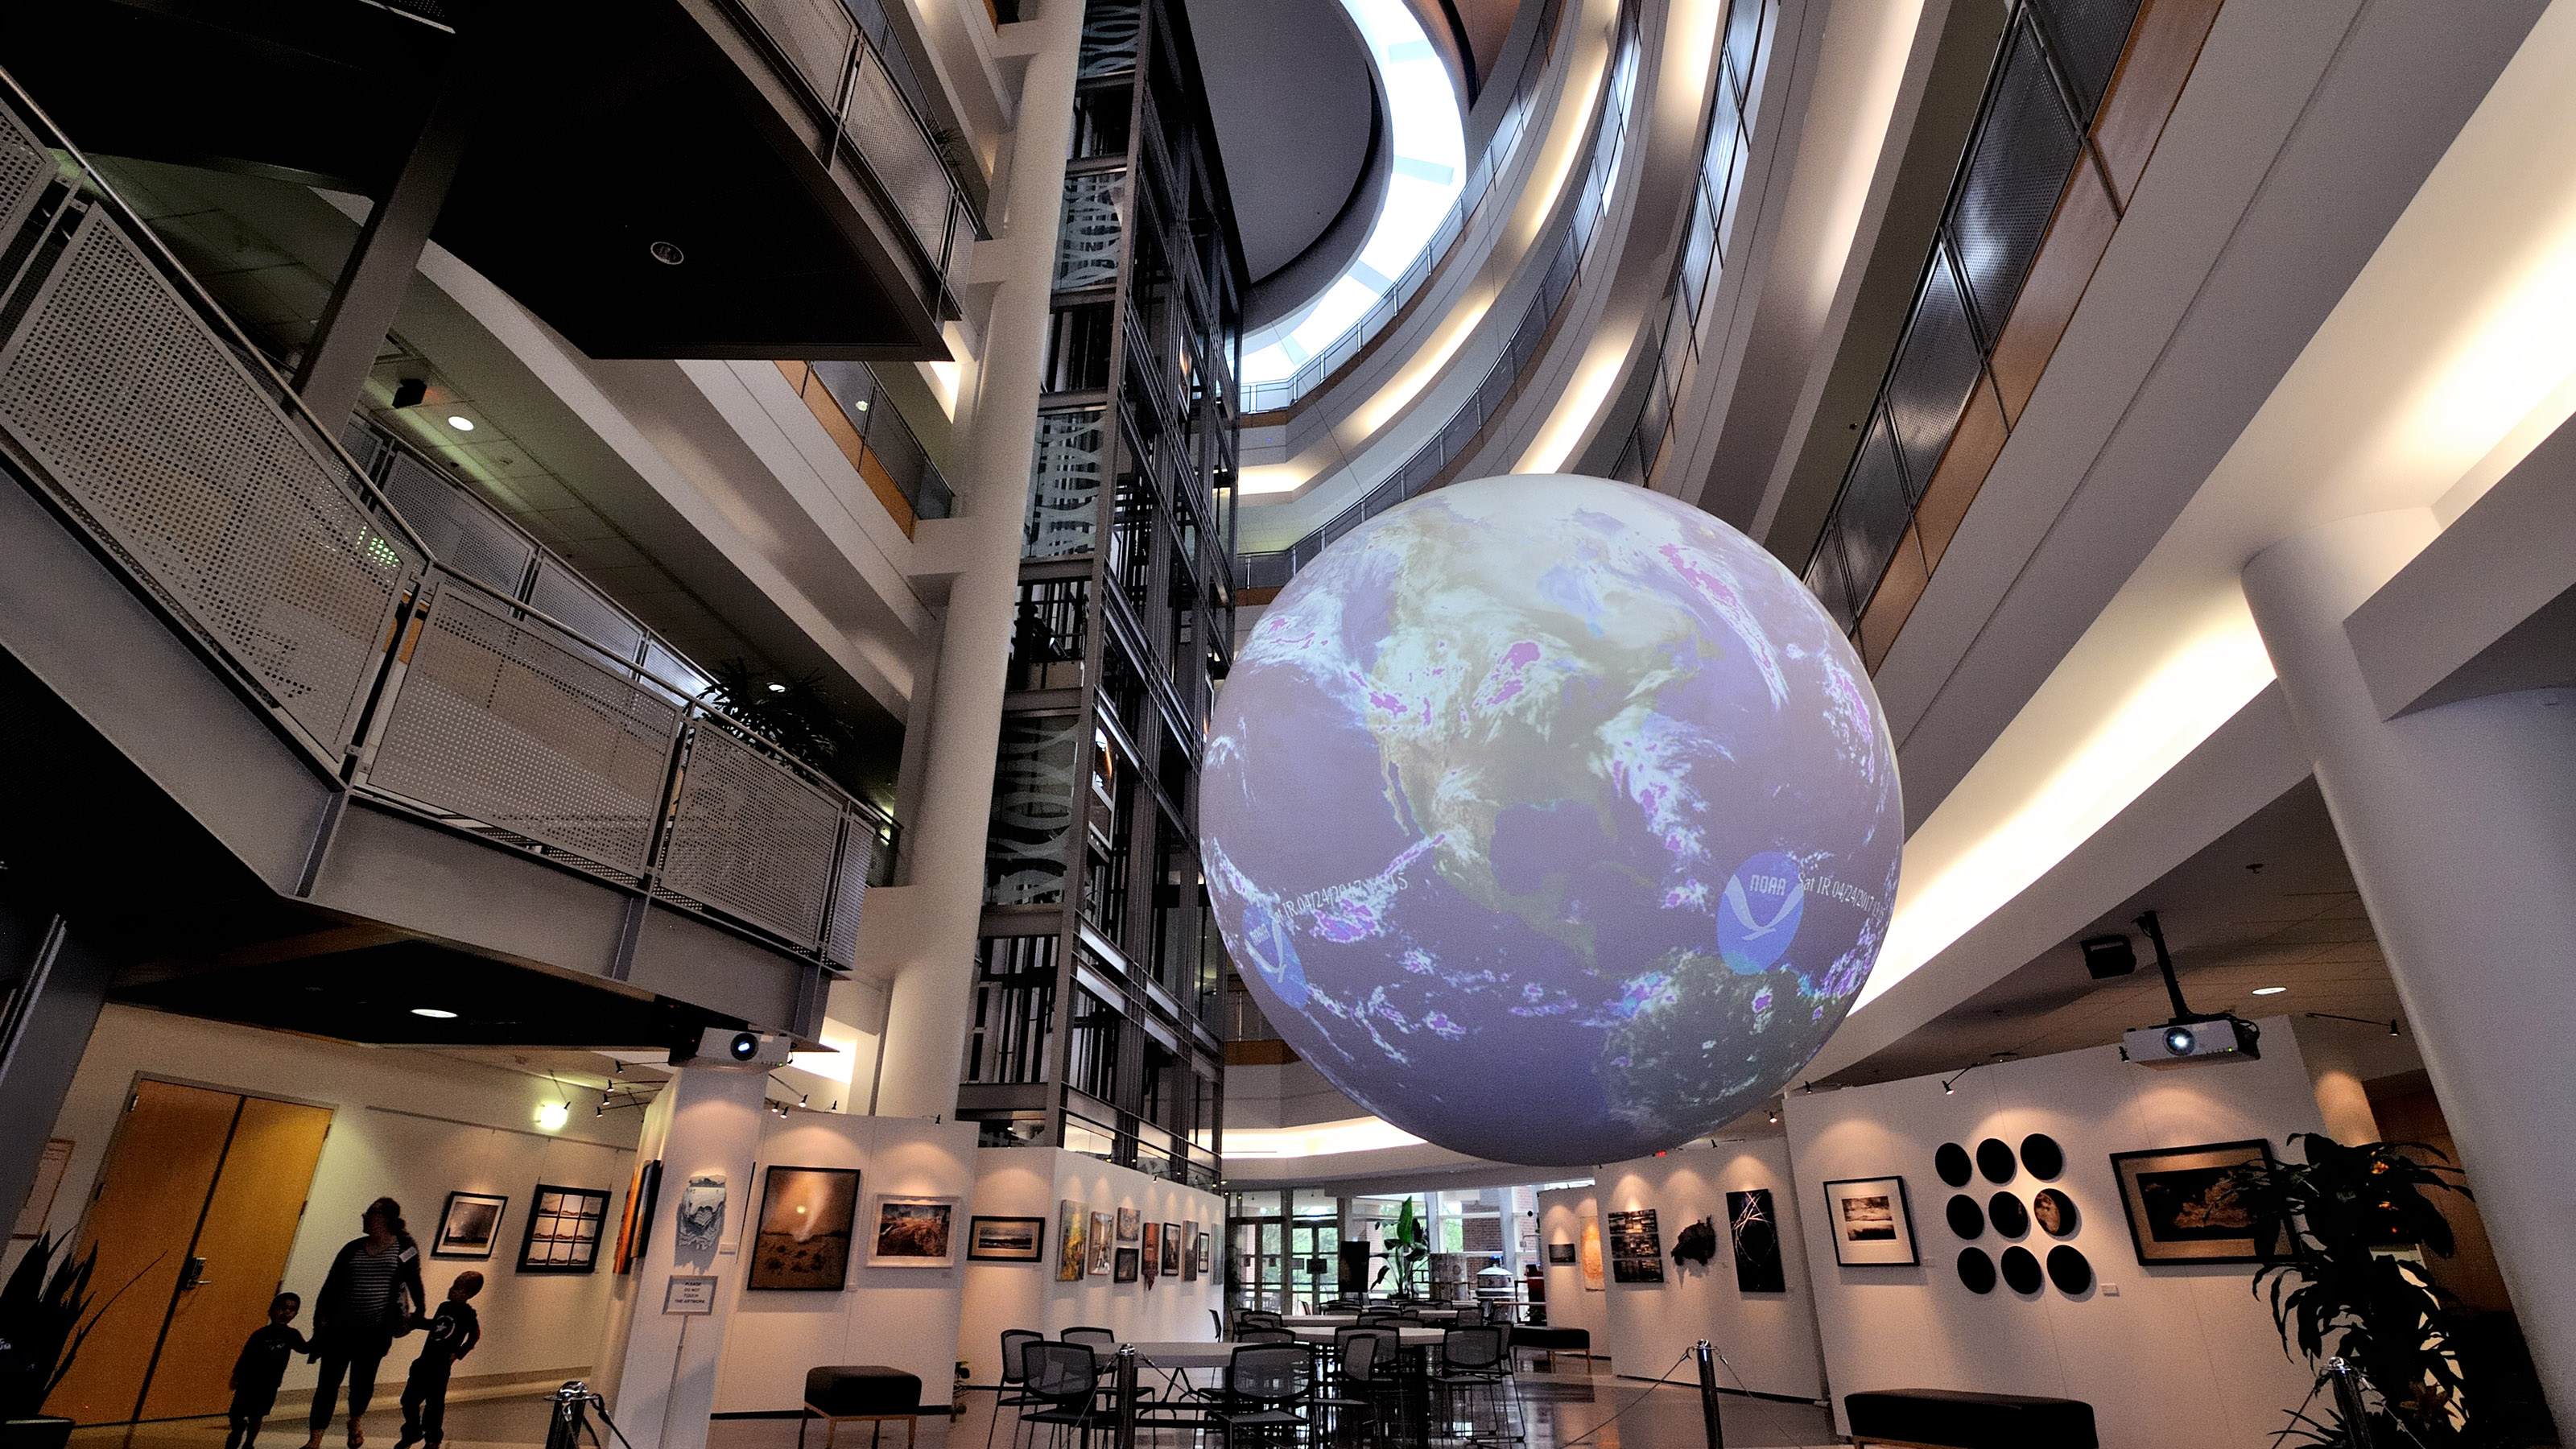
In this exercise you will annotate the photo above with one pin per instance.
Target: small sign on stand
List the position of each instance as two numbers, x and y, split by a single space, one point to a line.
690 1295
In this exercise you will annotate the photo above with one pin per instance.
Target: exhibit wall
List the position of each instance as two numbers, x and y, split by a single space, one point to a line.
904 1317
1768 1336
411 1125
1034 1182
2219 1375
1561 1212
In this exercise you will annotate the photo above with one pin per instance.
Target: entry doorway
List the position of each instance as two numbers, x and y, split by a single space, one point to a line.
193 1216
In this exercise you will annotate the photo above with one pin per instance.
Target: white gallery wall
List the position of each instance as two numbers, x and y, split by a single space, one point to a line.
411 1125
1768 1339
1561 1212
1033 1182
2173 1354
904 1318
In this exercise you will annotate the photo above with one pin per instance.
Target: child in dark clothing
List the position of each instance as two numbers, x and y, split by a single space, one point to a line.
261 1365
453 1332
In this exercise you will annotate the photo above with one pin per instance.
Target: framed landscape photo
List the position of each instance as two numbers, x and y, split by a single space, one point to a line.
1207 1255
2182 1204
564 1230
1871 1224
801 1240
1072 1241
469 1226
1103 1238
914 1232
1006 1240
1561 1254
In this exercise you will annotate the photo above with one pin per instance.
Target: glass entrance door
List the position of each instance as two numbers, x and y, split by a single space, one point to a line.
1314 1263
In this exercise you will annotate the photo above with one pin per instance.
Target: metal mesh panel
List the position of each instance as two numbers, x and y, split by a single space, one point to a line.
564 596
1934 374
2089 36
884 130
751 837
850 891
507 722
253 530
1872 514
460 532
2018 165
25 167
816 36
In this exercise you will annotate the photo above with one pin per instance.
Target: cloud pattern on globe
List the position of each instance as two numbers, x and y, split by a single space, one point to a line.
1551 819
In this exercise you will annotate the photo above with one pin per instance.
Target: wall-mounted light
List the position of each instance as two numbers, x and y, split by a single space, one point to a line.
553 1115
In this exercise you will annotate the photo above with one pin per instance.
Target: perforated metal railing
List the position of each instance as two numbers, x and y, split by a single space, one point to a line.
441 682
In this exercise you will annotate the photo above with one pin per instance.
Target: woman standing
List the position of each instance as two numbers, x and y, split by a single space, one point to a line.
371 1296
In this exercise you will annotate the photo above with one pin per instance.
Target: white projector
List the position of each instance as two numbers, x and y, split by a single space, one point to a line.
724 1047
2193 1043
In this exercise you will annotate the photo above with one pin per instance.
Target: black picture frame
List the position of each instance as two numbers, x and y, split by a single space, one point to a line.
1860 1244
1560 1254
565 1228
469 1227
2162 1188
786 1255
1127 1266
994 1240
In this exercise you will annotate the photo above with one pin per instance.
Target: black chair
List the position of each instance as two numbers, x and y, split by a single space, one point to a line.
1013 1393
1066 1378
1380 1318
1375 1343
1218 1319
1364 1374
1091 1337
1474 1378
1264 1335
1266 1387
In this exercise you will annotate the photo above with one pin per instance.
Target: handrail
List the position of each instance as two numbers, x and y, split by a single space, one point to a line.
1454 228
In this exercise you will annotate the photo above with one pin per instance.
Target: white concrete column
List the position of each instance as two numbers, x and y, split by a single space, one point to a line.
658 1370
934 973
2460 826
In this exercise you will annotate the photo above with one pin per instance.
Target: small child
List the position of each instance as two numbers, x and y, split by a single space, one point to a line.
261 1365
453 1332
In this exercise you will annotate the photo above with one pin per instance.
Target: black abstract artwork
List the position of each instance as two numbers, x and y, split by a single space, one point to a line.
2021 1270
2010 1218
1966 1218
1995 1160
2041 1157
1695 1243
1976 1270
1756 1230
1951 1161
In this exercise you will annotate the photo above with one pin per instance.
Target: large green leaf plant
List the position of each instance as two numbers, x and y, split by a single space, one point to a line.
1407 1247
40 1326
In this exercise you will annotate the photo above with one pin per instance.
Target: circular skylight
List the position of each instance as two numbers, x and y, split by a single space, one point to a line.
1430 166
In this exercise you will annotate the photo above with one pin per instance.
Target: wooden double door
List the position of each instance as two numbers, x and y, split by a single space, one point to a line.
193 1216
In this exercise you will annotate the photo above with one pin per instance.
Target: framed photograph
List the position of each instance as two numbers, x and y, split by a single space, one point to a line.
914 1232
636 1223
700 1221
1153 1257
1871 1223
1072 1241
2182 1203
1207 1255
1126 1266
801 1241
469 1226
1103 1238
1636 1247
1756 1230
1171 1250
1129 1221
1183 1248
1591 1255
564 1229
1006 1240
1560 1254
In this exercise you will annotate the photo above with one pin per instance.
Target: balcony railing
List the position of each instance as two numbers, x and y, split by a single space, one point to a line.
430 680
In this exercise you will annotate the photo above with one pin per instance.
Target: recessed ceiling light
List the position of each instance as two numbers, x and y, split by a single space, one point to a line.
461 423
433 1013
778 689
2269 990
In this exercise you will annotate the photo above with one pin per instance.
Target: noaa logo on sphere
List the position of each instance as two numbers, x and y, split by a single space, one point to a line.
1758 916
1274 953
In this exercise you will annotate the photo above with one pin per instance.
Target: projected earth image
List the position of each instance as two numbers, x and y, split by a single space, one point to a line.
1551 819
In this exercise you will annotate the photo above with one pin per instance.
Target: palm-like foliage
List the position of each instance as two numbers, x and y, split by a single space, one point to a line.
40 1326
2336 1287
1406 1247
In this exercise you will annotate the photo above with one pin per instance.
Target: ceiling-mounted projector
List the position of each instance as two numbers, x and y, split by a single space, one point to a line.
2190 1039
724 1047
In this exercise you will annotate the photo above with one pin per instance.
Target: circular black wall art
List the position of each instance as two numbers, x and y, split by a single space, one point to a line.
2068 1270
2041 1155
1951 1161
1966 1218
1995 1159
2055 1213
2011 1218
2021 1270
1976 1270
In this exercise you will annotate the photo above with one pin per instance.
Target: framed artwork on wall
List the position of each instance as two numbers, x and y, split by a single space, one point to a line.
1207 1254
1755 1228
1006 1240
1126 1266
1186 1250
1152 1262
1130 1221
469 1226
637 1221
914 1232
1072 1241
564 1229
1103 1238
1636 1247
1560 1254
2182 1203
1171 1250
1871 1223
1591 1255
801 1240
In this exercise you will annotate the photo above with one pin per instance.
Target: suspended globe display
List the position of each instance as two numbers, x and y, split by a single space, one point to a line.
1551 819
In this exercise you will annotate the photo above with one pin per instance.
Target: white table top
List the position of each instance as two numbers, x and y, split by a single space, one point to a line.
1205 1354
1348 1320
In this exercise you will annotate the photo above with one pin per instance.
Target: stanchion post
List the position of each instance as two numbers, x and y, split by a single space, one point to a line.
1707 1357
2347 1393
1127 1396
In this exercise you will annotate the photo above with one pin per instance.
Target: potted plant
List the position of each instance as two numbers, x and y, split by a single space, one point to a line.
1406 1247
2342 1286
40 1332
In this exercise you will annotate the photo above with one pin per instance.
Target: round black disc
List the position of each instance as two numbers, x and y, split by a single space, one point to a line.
1976 1270
1966 1218
1995 1159
1951 1161
2011 1218
2041 1155
2021 1270
2068 1270
2055 1213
